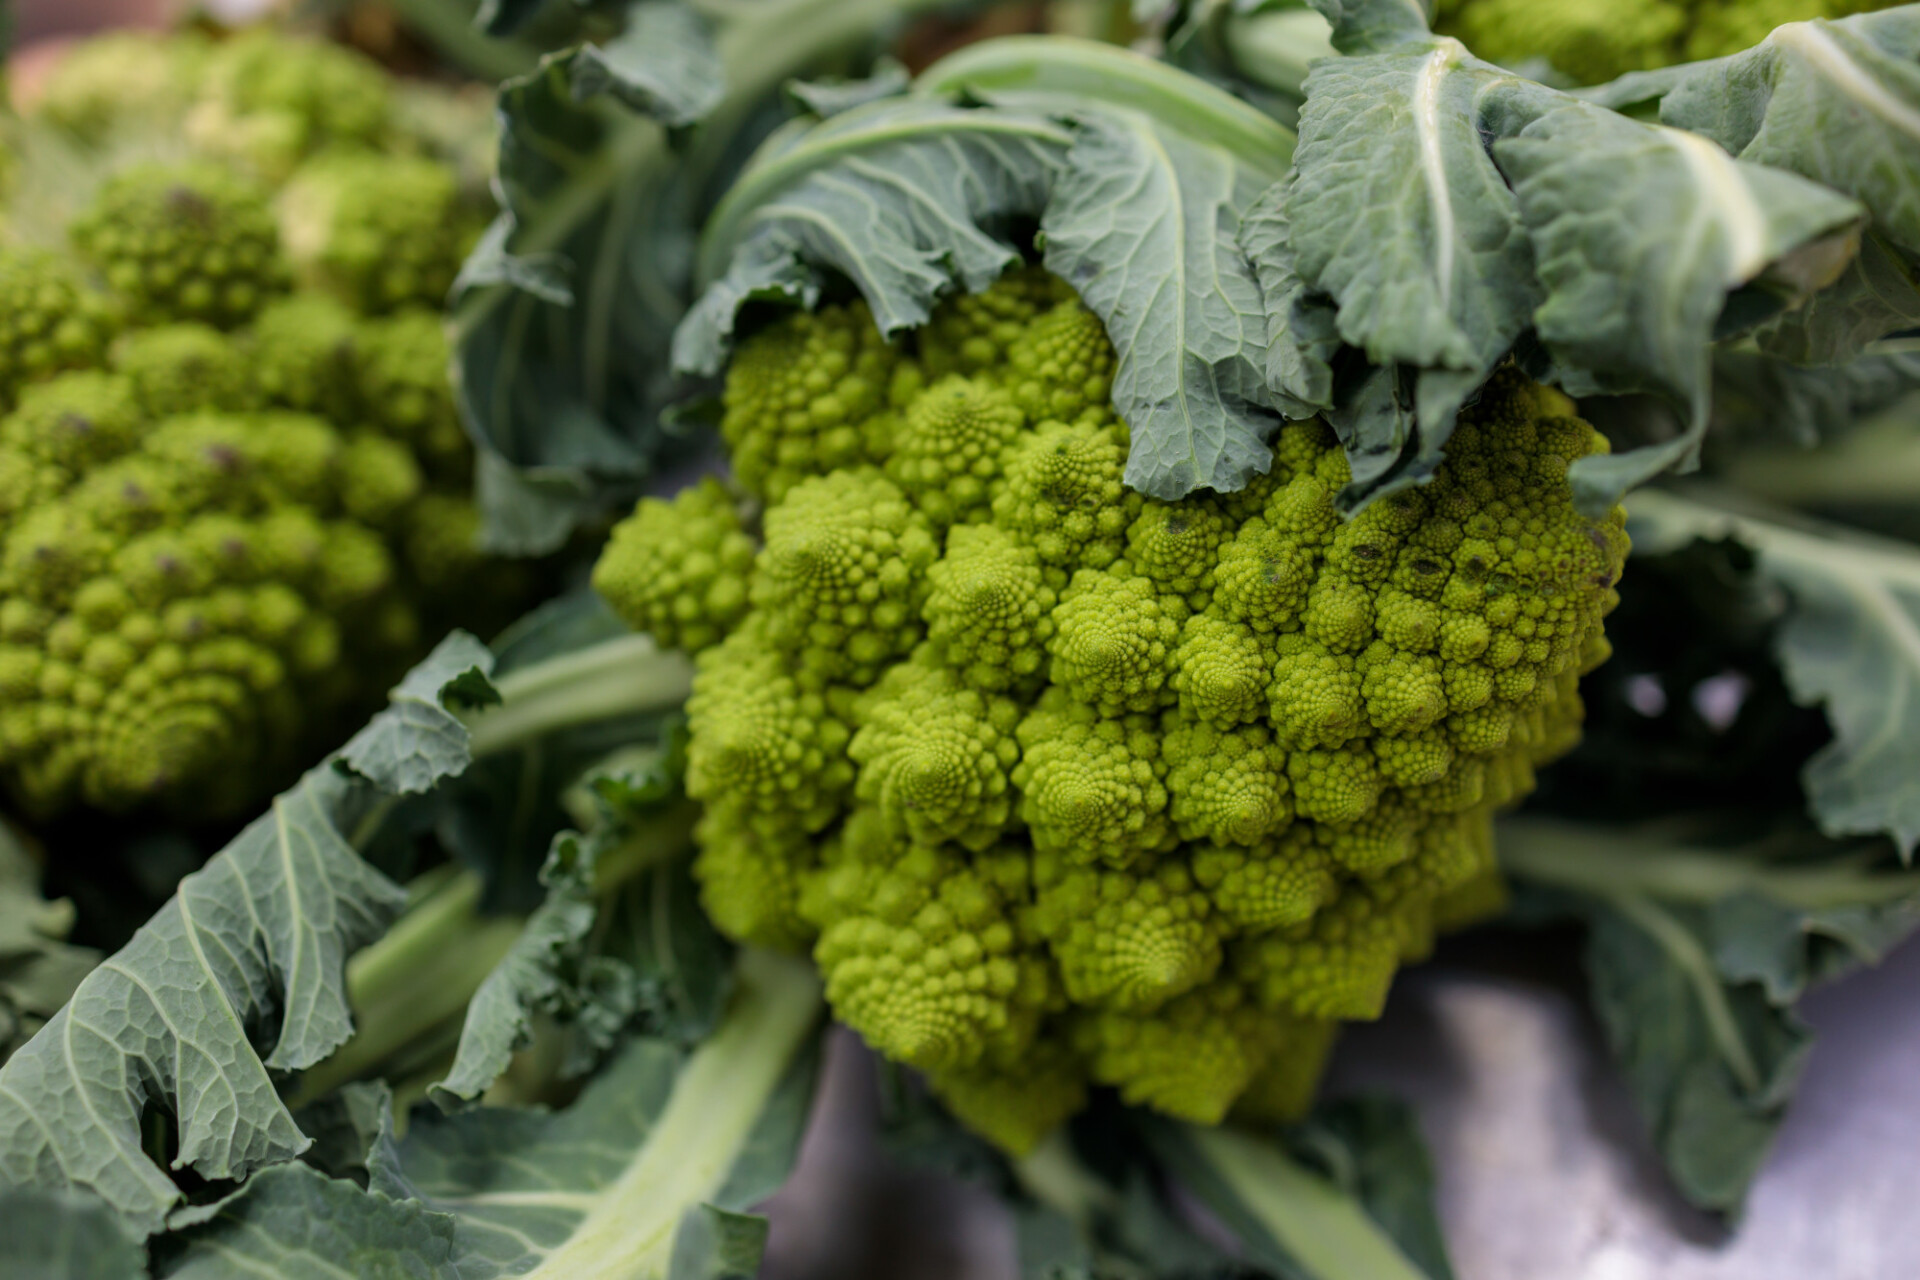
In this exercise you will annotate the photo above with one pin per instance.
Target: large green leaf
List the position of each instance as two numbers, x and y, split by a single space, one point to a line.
645 1176
39 969
239 976
1138 176
1368 26
1641 235
1838 102
908 200
1701 936
1851 642
610 159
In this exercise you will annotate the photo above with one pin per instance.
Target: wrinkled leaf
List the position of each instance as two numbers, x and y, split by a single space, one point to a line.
1142 224
1850 643
1837 102
1398 213
1368 26
908 200
1302 335
1641 233
420 740
663 65
238 976
294 1223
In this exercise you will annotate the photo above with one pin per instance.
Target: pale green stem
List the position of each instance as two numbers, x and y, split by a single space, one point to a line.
628 1232
1312 1219
629 675
1609 863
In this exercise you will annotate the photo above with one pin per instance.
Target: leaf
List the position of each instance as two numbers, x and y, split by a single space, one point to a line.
1369 26
823 98
528 979
420 739
1141 223
1701 937
562 321
1712 1065
564 430
52 1234
655 1136
1302 334
663 65
238 976
295 1223
1371 1148
38 968
1837 102
1851 642
1399 214
1138 176
1877 295
902 198
1641 235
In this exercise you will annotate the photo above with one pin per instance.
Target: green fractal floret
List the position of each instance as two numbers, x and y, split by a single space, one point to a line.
1065 786
678 569
185 242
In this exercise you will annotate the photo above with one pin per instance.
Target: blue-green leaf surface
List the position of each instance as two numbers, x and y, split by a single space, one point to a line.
239 976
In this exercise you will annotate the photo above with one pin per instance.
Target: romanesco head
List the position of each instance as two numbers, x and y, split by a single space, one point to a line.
1066 786
227 498
1596 40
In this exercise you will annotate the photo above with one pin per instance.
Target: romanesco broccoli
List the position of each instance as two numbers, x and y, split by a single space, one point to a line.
1065 786
232 501
1596 40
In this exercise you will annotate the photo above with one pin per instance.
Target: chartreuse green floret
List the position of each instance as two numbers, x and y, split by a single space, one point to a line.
50 319
189 241
678 569
1069 787
1597 40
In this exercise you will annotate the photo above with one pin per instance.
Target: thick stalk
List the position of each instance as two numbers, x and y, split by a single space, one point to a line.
448 26
1313 1220
1614 864
630 675
423 972
698 1137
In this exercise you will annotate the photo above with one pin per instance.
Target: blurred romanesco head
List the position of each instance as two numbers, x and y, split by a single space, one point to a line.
1064 786
233 488
1596 40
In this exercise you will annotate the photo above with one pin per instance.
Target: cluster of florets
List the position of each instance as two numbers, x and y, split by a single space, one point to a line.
233 485
1594 42
1066 786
